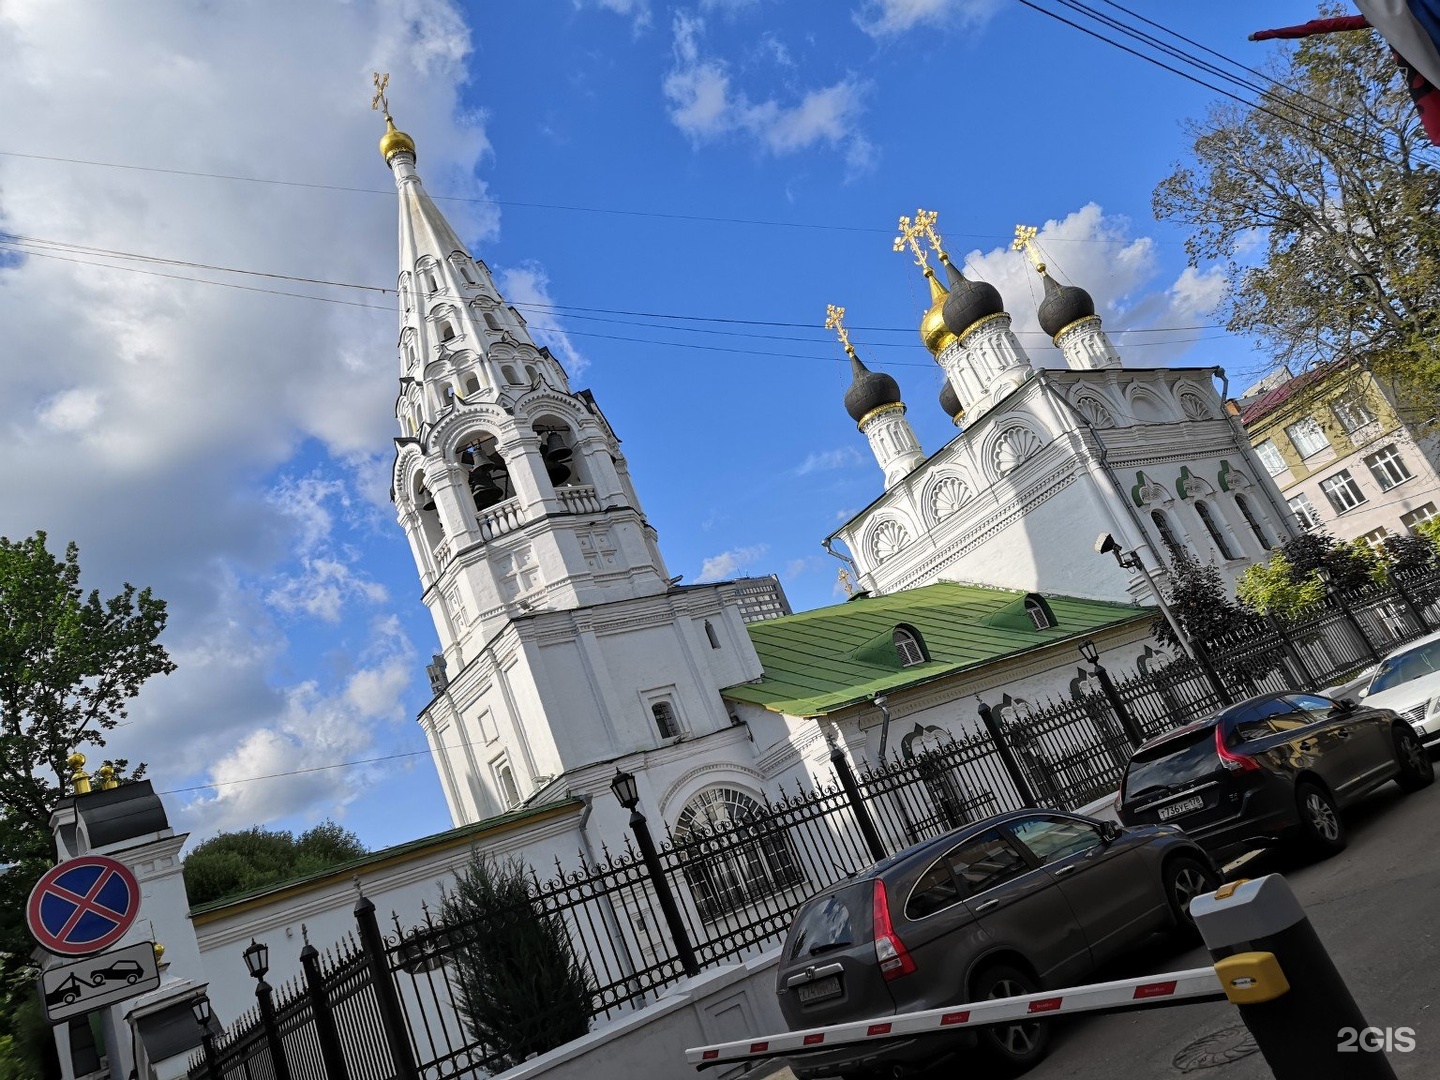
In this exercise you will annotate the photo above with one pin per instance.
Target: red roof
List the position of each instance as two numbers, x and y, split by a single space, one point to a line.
1269 402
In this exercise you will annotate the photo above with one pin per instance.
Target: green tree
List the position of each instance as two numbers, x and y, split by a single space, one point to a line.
1201 602
1339 184
70 662
523 990
1274 588
1350 564
239 862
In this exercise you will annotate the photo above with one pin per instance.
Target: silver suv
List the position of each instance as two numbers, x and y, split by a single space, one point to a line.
1003 907
1408 682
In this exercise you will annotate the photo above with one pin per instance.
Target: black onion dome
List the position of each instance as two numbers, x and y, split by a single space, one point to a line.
969 302
869 390
1063 305
950 401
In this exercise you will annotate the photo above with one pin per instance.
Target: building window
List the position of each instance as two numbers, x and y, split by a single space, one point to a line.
1307 437
1269 455
733 853
1376 539
505 782
1352 413
1301 507
492 322
665 722
1387 467
1342 491
1250 519
710 635
1039 614
447 331
1207 516
1417 516
908 647
1167 533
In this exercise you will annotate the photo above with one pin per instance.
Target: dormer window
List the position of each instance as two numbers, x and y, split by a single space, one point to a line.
908 647
1039 613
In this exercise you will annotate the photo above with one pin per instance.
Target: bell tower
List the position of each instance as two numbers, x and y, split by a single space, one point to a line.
520 512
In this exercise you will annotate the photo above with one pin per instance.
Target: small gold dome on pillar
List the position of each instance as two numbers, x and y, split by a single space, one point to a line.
78 779
933 331
395 141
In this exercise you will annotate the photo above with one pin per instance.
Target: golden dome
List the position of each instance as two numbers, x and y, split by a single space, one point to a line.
395 141
933 331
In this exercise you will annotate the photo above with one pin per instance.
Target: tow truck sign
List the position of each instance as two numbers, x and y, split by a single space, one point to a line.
97 981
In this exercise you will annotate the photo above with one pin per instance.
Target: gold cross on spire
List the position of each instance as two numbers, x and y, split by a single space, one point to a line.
833 321
1025 241
925 223
910 233
379 101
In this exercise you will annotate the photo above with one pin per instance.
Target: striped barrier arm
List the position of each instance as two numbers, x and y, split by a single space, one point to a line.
1190 985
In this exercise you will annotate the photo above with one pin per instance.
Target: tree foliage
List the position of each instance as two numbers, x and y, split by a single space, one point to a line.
1335 179
523 990
69 664
1273 588
238 862
1201 602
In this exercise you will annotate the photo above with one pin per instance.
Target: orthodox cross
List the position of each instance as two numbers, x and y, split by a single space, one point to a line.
833 321
379 101
1025 241
910 233
925 223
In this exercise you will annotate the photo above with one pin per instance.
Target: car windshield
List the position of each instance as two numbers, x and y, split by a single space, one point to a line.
823 926
1172 763
1411 664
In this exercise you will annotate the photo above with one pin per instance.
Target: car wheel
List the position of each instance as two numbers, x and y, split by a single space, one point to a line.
1016 1047
132 978
97 979
1185 879
1416 769
1320 824
71 997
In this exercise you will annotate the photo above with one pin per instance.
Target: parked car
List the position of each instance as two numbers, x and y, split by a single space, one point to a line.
1275 767
1001 907
127 971
1407 681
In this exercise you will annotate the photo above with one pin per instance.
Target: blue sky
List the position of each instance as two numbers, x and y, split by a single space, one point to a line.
615 161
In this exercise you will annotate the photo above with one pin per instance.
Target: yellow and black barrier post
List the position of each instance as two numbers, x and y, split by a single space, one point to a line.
1275 969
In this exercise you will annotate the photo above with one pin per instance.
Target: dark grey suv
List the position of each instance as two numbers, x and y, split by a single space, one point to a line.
1006 906
1273 767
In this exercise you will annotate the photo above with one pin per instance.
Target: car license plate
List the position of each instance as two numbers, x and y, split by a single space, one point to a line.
820 988
1184 806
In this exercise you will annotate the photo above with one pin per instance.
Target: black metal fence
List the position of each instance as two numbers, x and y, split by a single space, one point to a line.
379 1007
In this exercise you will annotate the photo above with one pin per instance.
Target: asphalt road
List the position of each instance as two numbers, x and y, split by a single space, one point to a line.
1377 908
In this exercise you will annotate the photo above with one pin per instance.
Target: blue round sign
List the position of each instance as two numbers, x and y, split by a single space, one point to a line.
83 906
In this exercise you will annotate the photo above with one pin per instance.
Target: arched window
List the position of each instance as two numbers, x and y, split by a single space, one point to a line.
505 783
491 321
1166 531
432 284
472 385
665 722
1250 519
1213 528
1039 614
710 635
908 647
508 374
447 331
732 852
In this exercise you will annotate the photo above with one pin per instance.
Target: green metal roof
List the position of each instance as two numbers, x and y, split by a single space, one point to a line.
818 662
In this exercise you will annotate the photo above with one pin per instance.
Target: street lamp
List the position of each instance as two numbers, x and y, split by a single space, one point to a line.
1089 653
627 793
257 962
200 1009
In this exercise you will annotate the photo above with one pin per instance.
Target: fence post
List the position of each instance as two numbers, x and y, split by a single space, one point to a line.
1350 617
392 1014
1007 756
1202 656
1409 601
265 996
841 764
332 1057
1292 653
684 951
1132 730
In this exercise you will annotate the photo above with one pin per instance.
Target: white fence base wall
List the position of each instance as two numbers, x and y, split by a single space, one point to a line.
716 1006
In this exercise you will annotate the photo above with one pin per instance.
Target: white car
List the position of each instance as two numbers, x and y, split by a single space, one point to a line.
1408 682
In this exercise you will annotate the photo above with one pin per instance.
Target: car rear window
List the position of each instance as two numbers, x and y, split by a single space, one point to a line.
1409 665
828 923
1178 760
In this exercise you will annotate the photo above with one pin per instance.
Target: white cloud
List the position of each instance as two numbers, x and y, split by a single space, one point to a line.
70 410
888 18
1197 294
527 286
823 460
705 105
637 10
728 563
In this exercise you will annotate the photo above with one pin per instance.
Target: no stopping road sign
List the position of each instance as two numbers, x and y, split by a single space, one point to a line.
83 905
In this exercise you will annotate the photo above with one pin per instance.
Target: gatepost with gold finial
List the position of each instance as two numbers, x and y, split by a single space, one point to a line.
873 402
1067 313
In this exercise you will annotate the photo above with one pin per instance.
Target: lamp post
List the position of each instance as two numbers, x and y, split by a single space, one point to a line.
627 793
1131 560
1091 655
257 962
200 1008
